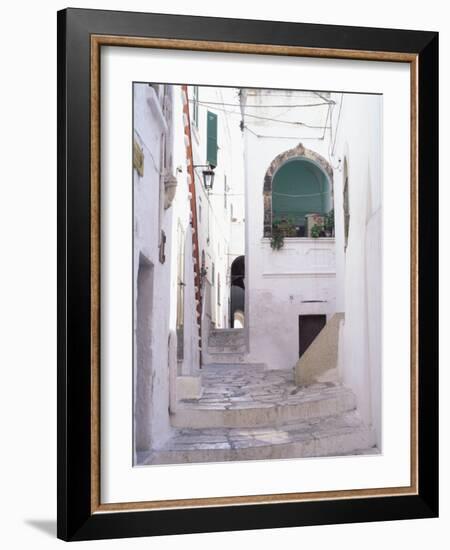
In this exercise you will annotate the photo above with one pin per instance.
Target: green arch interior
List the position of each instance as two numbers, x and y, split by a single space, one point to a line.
299 187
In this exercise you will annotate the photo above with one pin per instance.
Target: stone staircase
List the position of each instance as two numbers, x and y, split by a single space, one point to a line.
226 346
249 413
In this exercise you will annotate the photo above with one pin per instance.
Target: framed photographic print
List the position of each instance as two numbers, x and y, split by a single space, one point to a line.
247 253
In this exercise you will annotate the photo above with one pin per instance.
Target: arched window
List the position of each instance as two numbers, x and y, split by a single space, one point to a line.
300 196
298 191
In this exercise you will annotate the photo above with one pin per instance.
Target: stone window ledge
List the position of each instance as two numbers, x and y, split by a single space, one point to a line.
305 240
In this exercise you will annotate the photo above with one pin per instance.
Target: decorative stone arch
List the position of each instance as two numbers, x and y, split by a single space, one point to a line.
297 152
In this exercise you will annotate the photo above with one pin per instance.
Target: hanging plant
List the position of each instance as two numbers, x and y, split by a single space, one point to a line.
277 241
281 229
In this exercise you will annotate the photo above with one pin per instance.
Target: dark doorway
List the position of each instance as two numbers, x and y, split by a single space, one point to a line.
143 365
237 301
309 327
237 304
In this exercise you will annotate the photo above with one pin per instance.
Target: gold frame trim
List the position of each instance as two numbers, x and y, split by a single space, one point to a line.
97 41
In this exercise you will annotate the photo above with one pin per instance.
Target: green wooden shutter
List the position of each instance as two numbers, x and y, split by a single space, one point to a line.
211 141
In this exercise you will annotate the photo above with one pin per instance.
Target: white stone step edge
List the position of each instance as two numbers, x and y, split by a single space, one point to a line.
227 350
190 416
210 367
333 444
226 358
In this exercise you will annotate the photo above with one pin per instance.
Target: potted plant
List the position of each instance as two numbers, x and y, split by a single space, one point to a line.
329 224
316 231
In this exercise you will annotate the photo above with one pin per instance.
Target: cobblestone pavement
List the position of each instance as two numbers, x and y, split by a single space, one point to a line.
340 435
248 413
231 387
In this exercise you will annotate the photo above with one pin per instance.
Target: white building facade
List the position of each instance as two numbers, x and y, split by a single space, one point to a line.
285 285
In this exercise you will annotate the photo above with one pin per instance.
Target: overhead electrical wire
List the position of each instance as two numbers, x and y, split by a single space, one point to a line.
268 105
292 123
326 121
337 123
331 148
302 92
265 136
318 94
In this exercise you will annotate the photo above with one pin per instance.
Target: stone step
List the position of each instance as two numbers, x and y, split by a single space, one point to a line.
215 372
226 337
236 348
227 331
223 346
231 358
337 435
262 404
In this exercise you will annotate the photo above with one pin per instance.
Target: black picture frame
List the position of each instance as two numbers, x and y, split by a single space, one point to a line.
76 519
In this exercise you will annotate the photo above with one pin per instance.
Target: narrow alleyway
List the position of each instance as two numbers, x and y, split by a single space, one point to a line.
247 412
246 264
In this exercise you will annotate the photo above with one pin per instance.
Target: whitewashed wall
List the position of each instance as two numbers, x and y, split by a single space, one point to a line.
279 283
149 218
358 143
